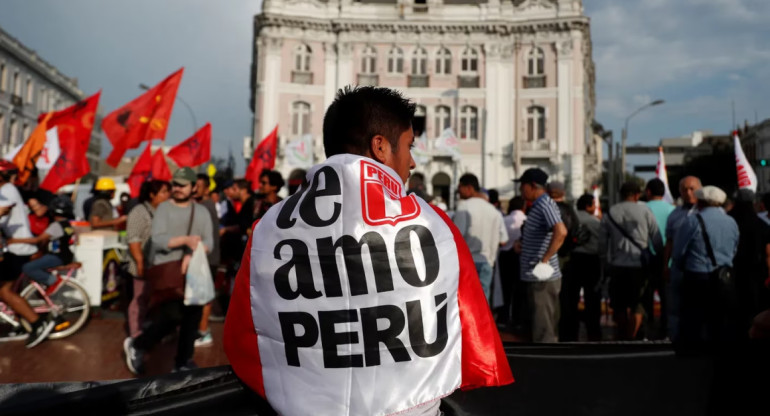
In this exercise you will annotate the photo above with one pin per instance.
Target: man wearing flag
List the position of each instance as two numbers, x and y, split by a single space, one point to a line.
345 326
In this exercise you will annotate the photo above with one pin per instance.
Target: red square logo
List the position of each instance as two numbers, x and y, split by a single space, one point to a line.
381 201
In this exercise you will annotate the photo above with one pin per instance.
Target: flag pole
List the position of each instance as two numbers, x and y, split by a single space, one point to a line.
75 192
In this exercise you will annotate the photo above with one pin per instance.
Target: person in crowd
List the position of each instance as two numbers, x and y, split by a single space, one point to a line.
628 231
39 218
494 199
367 130
248 204
202 196
481 225
656 191
221 205
138 232
671 273
102 213
126 203
508 260
58 237
542 236
558 194
14 224
751 262
416 185
230 239
705 242
171 242
270 183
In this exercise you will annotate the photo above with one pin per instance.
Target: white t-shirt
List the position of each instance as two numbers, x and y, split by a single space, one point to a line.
513 223
481 225
16 223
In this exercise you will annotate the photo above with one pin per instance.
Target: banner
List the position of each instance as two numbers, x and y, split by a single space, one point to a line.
420 152
598 202
662 174
27 156
747 179
314 309
299 153
194 151
448 145
48 155
263 158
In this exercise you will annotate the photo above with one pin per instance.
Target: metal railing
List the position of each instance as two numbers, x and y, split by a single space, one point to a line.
467 81
369 79
418 81
301 77
534 81
541 145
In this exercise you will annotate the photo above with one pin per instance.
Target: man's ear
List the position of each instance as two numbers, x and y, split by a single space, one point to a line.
380 149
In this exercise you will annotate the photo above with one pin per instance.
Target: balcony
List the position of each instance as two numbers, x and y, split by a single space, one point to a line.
16 100
538 146
534 81
418 81
369 79
301 77
420 8
467 81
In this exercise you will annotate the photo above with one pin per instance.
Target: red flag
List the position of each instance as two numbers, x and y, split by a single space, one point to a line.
264 158
160 169
194 151
74 125
141 171
30 151
144 118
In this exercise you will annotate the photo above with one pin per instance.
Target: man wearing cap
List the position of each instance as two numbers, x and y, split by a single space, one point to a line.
171 242
627 232
542 236
698 323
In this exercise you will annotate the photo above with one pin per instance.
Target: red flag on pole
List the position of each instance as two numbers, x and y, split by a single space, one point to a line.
141 171
74 125
194 151
144 118
30 151
160 170
264 158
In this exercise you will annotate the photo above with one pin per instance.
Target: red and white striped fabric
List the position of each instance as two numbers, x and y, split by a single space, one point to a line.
356 299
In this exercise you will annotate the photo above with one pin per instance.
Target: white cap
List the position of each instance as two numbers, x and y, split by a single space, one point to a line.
711 194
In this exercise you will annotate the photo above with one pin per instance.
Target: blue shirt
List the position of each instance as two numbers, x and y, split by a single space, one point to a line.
661 210
690 252
536 237
675 221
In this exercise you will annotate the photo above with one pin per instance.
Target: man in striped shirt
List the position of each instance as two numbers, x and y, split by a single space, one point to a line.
542 236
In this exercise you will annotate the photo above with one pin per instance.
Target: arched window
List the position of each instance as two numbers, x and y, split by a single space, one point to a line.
536 62
420 111
369 61
443 62
16 84
535 123
25 132
443 119
470 60
302 56
419 62
396 61
14 133
3 76
300 118
469 121
30 91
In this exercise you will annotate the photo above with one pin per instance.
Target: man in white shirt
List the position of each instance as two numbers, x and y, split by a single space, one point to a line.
14 224
481 225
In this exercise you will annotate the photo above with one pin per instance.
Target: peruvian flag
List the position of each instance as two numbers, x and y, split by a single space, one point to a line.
662 174
194 151
378 331
747 179
264 158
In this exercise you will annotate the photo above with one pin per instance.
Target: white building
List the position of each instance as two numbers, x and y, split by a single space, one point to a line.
513 78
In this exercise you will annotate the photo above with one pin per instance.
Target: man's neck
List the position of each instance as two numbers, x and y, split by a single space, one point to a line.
538 194
181 204
271 198
656 198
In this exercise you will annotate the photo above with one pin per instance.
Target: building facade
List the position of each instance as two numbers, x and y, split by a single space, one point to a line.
514 79
30 86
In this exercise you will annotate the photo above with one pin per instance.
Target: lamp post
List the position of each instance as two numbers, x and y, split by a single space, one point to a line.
625 133
192 114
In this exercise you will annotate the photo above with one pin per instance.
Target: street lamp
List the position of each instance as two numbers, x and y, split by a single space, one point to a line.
625 132
192 114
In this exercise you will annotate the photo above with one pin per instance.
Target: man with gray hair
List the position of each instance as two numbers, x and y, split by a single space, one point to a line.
704 243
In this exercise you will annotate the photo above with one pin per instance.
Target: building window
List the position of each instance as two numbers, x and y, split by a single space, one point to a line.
369 61
443 119
14 132
535 123
2 132
25 132
41 101
443 62
16 84
469 121
302 58
3 76
536 62
30 90
470 61
300 118
396 61
419 62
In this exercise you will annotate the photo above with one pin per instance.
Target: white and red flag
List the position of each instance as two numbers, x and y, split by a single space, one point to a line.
662 174
747 179
598 201
319 325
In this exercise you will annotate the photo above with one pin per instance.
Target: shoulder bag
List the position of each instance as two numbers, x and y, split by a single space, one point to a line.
722 276
648 259
166 280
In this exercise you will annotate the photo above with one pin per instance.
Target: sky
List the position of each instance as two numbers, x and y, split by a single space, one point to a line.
697 55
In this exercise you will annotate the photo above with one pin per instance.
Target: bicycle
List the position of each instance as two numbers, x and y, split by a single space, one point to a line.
68 305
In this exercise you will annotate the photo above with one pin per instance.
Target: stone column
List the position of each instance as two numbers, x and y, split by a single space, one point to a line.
344 63
565 146
330 82
269 87
495 118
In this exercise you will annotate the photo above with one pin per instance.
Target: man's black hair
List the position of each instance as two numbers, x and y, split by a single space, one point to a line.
630 189
417 178
360 113
656 187
274 178
494 196
766 201
470 179
516 204
203 177
243 184
150 188
585 201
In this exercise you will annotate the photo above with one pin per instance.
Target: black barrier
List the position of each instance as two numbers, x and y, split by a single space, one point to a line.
560 379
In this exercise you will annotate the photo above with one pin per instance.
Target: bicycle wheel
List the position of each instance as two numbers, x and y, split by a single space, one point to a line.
71 308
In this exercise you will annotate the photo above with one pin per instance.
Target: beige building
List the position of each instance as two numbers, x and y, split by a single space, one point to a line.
514 79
